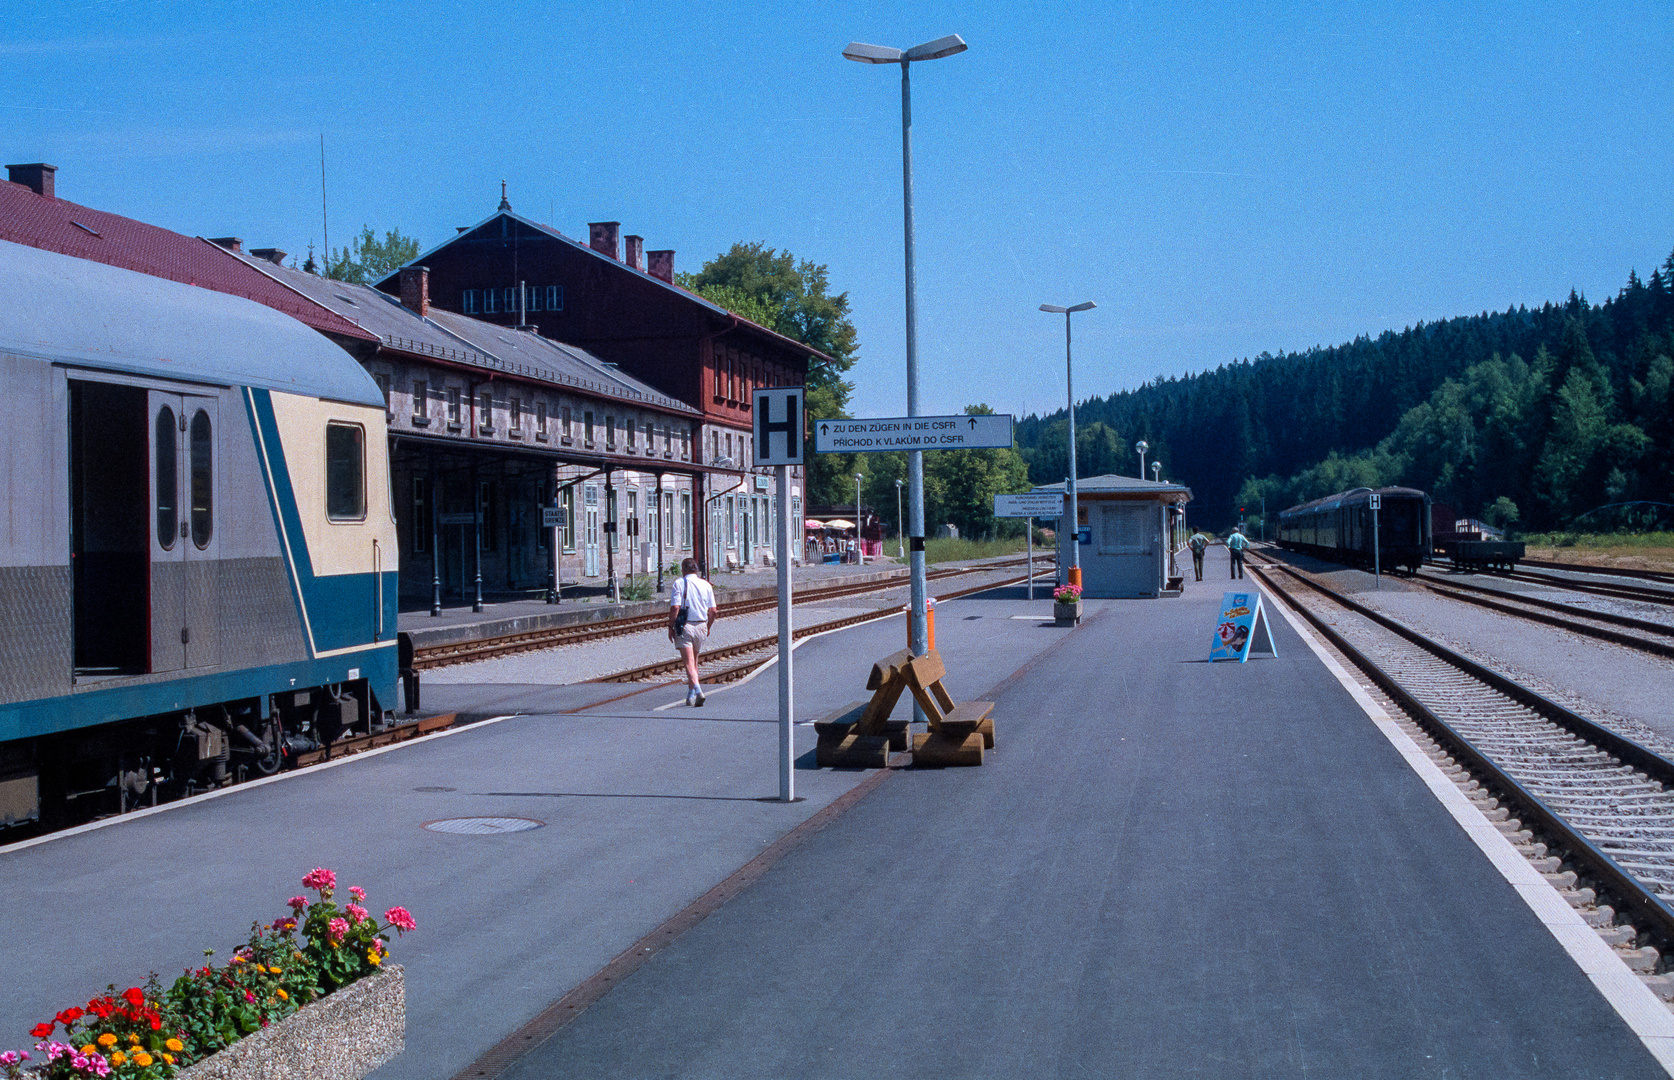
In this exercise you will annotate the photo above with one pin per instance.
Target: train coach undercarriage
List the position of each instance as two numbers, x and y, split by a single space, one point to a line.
54 781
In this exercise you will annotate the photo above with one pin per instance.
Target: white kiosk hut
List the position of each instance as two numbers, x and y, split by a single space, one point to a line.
1136 525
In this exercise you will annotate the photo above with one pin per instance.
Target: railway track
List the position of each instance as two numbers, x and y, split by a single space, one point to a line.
1660 576
1616 590
553 637
1592 809
715 666
1656 638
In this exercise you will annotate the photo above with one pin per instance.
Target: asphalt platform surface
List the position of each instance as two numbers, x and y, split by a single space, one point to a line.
1166 868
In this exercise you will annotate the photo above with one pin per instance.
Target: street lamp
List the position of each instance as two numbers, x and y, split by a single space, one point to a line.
1156 471
900 533
1069 380
1141 446
918 634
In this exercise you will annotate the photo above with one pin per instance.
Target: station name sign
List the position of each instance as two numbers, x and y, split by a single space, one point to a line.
912 433
1030 504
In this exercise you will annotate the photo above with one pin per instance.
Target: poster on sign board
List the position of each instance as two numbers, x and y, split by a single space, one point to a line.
1241 629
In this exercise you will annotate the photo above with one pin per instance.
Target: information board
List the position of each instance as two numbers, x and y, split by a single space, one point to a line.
1242 629
912 433
778 412
1030 504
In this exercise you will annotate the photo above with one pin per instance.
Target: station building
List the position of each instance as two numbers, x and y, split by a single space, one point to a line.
619 302
1137 528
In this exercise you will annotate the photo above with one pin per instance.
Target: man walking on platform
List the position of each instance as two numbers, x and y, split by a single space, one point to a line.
1198 543
691 615
1235 545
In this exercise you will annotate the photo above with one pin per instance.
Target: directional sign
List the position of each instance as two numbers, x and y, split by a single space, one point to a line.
1030 504
912 433
778 412
551 517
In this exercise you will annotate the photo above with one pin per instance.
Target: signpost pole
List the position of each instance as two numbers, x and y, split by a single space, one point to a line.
787 723
1029 531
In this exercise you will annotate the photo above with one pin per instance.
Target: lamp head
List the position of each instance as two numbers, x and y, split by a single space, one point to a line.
935 50
1056 310
872 54
1142 446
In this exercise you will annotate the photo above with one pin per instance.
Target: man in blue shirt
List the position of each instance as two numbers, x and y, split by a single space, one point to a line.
1235 544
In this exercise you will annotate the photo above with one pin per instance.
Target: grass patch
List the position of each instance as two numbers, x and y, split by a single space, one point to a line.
1644 551
941 549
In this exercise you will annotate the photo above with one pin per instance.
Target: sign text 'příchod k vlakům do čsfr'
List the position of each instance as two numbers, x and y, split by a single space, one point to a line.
912 433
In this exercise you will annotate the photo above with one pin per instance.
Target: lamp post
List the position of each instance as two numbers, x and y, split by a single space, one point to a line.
918 634
859 549
1074 577
1140 447
1156 471
900 533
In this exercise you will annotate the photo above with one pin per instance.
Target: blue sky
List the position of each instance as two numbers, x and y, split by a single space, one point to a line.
1222 179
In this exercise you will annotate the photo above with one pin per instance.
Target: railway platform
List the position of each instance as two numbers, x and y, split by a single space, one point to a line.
1166 868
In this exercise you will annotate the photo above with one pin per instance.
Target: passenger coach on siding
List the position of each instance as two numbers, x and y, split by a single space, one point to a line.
1339 527
198 560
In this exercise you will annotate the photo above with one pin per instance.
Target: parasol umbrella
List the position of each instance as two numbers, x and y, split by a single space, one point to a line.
839 523
810 523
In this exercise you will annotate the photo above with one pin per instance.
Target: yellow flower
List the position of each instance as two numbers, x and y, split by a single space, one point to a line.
274 971
176 1045
107 1040
142 1059
238 960
282 995
119 1059
169 1058
89 1048
374 959
134 1039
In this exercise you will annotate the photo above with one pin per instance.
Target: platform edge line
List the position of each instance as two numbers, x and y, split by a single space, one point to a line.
1641 1010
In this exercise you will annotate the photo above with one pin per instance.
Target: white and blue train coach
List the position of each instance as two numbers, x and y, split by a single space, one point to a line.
197 553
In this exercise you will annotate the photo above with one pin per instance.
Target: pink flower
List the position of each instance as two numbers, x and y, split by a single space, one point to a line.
296 904
357 892
320 879
249 996
356 913
337 928
399 918
284 925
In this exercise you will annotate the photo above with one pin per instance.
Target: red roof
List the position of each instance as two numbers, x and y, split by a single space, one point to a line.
71 229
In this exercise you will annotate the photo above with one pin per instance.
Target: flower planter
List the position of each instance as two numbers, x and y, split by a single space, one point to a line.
1066 614
342 1036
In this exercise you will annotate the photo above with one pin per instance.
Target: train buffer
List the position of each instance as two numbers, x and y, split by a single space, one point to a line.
861 734
959 732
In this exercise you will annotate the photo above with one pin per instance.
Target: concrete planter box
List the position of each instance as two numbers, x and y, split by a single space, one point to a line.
1066 614
342 1036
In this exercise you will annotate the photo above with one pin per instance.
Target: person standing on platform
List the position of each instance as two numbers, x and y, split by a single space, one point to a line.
691 615
1235 545
1198 543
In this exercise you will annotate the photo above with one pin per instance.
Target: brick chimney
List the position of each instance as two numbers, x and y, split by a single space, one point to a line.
602 235
37 177
233 244
660 264
636 251
272 255
415 289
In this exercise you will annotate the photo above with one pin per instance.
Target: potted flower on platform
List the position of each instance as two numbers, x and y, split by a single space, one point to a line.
1066 605
308 996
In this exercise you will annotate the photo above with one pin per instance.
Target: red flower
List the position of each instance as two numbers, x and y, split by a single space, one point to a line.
69 1016
134 996
41 1031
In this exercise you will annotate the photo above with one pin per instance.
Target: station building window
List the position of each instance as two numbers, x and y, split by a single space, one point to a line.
468 302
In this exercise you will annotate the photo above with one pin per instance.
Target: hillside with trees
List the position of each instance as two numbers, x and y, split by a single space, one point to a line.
1537 417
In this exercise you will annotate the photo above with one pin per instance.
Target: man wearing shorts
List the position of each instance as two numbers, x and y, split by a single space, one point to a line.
697 598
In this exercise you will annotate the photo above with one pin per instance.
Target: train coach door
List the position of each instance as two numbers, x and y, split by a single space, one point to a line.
185 564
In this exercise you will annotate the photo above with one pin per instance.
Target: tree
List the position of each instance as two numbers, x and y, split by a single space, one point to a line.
792 297
369 259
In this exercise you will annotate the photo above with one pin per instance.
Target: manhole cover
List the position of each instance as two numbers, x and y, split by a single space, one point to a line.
483 826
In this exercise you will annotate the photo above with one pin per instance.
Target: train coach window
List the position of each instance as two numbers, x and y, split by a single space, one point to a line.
345 472
200 451
168 481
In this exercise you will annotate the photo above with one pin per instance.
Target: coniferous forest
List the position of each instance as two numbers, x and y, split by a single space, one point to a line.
1539 419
